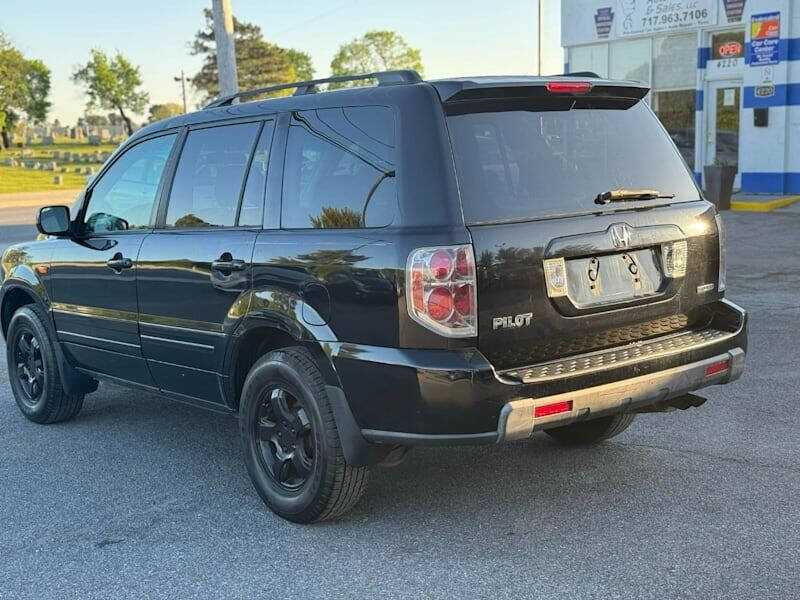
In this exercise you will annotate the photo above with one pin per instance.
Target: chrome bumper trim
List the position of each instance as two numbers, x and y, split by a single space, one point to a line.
517 420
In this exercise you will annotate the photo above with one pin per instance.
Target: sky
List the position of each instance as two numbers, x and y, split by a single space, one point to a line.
456 37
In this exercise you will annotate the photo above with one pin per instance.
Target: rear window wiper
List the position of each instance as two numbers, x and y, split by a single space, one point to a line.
623 195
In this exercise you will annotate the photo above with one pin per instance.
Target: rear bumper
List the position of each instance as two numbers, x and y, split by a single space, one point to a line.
517 420
429 397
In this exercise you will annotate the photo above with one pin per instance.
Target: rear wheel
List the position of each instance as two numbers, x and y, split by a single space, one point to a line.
592 432
292 448
33 369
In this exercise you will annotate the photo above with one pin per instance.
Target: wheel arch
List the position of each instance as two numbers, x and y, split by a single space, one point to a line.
16 295
259 334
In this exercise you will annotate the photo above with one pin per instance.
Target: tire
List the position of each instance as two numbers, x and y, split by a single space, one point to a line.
33 369
593 431
292 448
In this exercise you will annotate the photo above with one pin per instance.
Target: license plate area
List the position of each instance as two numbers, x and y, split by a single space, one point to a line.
614 278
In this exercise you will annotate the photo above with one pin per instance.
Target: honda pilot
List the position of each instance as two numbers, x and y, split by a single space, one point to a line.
355 272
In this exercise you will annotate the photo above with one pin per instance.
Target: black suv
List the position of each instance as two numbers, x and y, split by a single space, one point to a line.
355 272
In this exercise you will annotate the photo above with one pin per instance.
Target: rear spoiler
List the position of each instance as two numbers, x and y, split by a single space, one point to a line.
482 89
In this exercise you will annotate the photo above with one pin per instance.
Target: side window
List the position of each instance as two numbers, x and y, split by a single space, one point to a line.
251 212
124 196
210 175
339 170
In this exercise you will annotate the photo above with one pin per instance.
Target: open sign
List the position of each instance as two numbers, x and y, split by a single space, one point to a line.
730 49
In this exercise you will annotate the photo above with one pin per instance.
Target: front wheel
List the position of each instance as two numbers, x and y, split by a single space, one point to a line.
592 432
292 448
33 369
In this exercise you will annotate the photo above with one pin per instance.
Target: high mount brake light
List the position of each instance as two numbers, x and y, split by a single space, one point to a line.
440 290
568 87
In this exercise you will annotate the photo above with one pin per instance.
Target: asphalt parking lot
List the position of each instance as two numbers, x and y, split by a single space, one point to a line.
140 497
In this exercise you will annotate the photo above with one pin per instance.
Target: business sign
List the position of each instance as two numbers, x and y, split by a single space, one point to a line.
734 10
603 20
587 21
765 37
638 17
730 50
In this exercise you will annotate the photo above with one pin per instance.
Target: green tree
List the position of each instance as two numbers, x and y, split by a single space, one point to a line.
24 88
301 62
377 50
159 112
259 63
112 83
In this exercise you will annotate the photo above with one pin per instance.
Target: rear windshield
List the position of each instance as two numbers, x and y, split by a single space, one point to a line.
518 164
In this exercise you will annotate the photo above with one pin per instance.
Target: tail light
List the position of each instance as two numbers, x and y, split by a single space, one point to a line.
717 367
569 87
721 282
674 256
440 290
556 408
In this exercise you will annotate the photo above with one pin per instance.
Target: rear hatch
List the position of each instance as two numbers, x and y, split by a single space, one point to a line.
560 273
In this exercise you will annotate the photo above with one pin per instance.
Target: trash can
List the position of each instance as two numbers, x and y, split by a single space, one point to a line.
718 181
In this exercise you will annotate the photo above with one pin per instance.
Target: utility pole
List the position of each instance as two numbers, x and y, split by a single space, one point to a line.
183 81
539 53
226 50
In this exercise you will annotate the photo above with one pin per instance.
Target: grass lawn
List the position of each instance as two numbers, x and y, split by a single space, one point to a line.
18 179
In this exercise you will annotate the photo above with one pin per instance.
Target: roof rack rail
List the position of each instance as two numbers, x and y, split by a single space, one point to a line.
310 87
581 74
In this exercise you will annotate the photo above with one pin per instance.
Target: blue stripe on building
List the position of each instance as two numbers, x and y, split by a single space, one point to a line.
793 51
566 67
698 99
703 56
786 94
771 183
699 178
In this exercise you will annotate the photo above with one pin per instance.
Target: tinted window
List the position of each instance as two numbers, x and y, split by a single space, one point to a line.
123 198
517 164
339 169
210 174
252 208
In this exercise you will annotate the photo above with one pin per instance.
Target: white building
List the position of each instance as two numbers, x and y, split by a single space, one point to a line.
725 76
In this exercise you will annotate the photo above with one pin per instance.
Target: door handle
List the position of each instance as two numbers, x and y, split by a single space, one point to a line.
226 263
119 262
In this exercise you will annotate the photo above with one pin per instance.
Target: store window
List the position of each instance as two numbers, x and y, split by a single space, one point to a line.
673 96
727 45
589 58
675 109
630 60
674 62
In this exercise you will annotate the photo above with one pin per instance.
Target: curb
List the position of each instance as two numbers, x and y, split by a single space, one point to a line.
764 206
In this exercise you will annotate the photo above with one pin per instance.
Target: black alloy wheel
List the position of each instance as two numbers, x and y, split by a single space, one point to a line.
33 369
286 438
29 367
292 448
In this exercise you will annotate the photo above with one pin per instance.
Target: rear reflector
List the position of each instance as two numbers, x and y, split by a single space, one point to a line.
718 367
552 409
569 87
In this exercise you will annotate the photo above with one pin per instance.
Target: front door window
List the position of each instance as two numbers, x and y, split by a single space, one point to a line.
124 196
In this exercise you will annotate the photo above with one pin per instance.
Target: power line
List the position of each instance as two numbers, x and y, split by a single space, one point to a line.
322 15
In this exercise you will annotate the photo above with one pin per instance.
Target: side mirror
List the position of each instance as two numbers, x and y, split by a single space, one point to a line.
53 220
